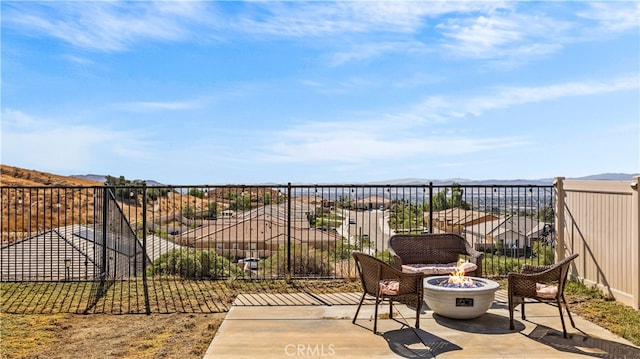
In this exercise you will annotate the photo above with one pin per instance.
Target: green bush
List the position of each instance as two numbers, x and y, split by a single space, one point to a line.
195 192
240 203
343 249
155 193
501 266
385 256
189 212
193 264
545 253
306 261
496 265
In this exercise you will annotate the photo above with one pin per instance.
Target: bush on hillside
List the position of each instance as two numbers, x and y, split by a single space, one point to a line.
306 261
193 264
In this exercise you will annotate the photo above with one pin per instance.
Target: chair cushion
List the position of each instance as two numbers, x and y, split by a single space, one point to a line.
389 287
546 291
438 268
468 267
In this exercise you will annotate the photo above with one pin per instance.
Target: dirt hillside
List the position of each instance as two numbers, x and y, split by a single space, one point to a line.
15 176
34 201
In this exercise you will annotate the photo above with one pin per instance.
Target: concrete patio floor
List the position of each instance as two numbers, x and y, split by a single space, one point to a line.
319 326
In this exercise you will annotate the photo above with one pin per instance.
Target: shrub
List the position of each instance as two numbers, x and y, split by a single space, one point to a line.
343 249
496 265
155 193
195 192
189 212
306 261
193 264
545 253
385 256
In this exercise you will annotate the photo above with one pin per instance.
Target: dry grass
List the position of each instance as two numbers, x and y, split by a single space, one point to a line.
604 311
59 330
107 336
45 320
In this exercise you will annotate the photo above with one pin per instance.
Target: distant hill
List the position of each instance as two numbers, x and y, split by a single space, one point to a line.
609 177
514 182
103 179
97 178
469 182
15 176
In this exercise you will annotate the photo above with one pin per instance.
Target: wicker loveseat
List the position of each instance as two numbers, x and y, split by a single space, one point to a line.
438 251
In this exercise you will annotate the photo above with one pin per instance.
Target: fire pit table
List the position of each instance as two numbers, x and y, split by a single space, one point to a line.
467 300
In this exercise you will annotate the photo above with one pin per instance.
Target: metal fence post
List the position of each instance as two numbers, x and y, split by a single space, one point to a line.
559 218
105 228
145 285
430 207
289 228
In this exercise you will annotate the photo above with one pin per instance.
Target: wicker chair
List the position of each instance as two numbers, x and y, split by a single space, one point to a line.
407 249
533 281
374 273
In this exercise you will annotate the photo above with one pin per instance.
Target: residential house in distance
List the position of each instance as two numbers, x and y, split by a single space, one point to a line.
372 202
509 235
260 232
455 220
75 252
313 204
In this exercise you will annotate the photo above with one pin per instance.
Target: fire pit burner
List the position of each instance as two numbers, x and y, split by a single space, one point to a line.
463 301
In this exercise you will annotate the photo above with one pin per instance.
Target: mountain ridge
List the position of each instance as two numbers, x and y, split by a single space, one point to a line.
447 181
16 176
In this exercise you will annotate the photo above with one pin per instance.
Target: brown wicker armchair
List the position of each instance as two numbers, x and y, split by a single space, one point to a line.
378 277
540 283
441 248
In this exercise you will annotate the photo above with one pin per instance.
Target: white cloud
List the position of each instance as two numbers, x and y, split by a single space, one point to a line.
79 60
53 146
105 26
345 29
443 109
360 142
479 30
513 37
419 79
15 119
363 51
513 96
613 16
402 134
359 150
118 26
483 35
146 106
319 19
503 35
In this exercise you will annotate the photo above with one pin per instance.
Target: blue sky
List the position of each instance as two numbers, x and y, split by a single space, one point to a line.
187 92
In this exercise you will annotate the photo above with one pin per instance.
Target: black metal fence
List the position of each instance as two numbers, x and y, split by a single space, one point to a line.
135 249
170 233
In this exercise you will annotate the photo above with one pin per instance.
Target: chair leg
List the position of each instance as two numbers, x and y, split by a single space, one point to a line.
522 309
568 311
418 311
359 305
511 316
375 316
564 329
390 308
511 306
